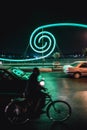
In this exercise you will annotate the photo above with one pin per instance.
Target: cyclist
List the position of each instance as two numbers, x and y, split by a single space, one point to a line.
33 90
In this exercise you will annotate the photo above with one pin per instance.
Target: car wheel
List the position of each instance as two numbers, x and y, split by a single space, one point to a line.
77 75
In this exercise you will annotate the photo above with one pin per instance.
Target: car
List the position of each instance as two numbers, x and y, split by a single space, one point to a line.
76 69
13 73
13 81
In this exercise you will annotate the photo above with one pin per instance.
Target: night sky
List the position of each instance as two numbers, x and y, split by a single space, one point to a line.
18 21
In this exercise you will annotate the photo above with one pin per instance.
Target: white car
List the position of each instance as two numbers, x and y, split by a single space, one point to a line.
76 69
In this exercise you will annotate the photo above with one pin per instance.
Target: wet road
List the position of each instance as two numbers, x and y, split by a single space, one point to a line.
74 91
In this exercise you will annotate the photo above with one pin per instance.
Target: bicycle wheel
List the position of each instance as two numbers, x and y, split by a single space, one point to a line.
16 113
59 111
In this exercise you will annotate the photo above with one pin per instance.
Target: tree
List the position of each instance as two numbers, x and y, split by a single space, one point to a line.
56 55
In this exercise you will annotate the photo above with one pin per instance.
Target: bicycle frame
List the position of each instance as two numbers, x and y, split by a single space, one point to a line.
53 109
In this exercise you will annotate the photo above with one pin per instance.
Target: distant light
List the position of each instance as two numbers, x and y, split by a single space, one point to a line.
0 62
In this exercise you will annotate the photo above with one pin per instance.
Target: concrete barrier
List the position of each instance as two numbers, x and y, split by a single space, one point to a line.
46 69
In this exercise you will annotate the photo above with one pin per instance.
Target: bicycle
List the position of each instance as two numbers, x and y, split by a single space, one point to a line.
18 110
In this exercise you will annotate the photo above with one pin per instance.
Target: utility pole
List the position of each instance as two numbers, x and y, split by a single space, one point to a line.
42 48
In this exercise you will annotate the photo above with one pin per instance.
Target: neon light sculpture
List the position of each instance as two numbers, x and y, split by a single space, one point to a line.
38 35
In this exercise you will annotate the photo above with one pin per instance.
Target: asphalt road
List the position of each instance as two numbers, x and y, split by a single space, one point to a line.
60 86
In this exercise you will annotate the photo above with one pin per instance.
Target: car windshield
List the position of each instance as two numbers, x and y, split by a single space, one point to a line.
74 64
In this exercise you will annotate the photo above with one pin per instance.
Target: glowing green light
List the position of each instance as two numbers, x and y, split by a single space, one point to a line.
48 45
48 36
20 74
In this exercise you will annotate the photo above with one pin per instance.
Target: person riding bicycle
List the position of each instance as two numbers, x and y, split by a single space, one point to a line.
33 90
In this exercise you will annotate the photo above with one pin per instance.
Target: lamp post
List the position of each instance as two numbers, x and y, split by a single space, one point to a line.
43 60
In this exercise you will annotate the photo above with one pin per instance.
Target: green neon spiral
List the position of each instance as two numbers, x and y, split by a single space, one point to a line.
44 47
44 34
